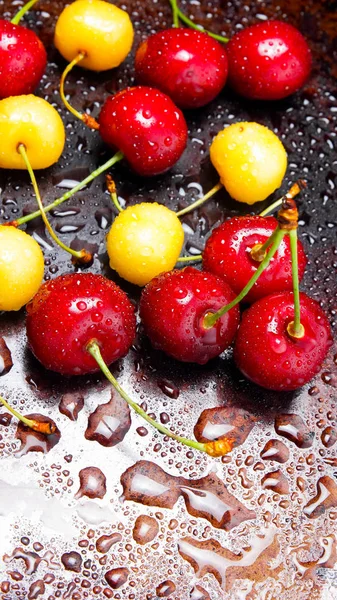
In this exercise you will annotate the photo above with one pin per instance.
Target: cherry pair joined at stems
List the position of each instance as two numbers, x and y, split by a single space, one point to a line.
75 317
281 342
266 61
179 15
42 328
82 300
189 314
287 225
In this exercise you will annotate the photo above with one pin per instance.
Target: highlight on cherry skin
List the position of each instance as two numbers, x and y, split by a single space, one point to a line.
187 65
266 352
229 254
78 324
146 126
173 307
250 159
71 310
34 123
268 61
21 268
144 240
23 58
100 31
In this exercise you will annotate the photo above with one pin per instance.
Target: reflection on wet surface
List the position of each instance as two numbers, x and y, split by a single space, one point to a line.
261 522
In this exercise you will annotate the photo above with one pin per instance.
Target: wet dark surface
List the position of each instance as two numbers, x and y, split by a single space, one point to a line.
287 544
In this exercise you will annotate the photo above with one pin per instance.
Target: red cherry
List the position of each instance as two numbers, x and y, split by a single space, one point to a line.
23 60
268 61
70 311
227 254
172 309
268 355
146 126
189 66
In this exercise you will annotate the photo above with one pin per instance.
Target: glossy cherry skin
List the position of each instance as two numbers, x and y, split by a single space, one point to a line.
70 311
227 254
172 309
146 126
268 355
23 60
268 61
188 65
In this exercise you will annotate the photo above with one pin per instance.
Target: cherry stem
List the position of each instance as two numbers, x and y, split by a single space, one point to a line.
193 25
175 13
113 192
259 251
183 259
273 241
295 189
16 20
42 427
81 256
201 201
295 328
87 119
212 448
112 161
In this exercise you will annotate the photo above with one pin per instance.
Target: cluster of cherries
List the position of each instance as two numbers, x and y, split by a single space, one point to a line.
80 323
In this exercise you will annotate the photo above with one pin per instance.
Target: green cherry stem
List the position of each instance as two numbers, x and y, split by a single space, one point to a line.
193 25
42 427
110 184
295 189
259 251
112 161
84 117
201 201
271 208
295 328
16 20
94 351
81 256
67 70
175 13
196 258
275 240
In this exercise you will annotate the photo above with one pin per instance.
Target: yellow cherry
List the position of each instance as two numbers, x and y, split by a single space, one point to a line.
101 31
21 268
144 240
251 161
33 122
